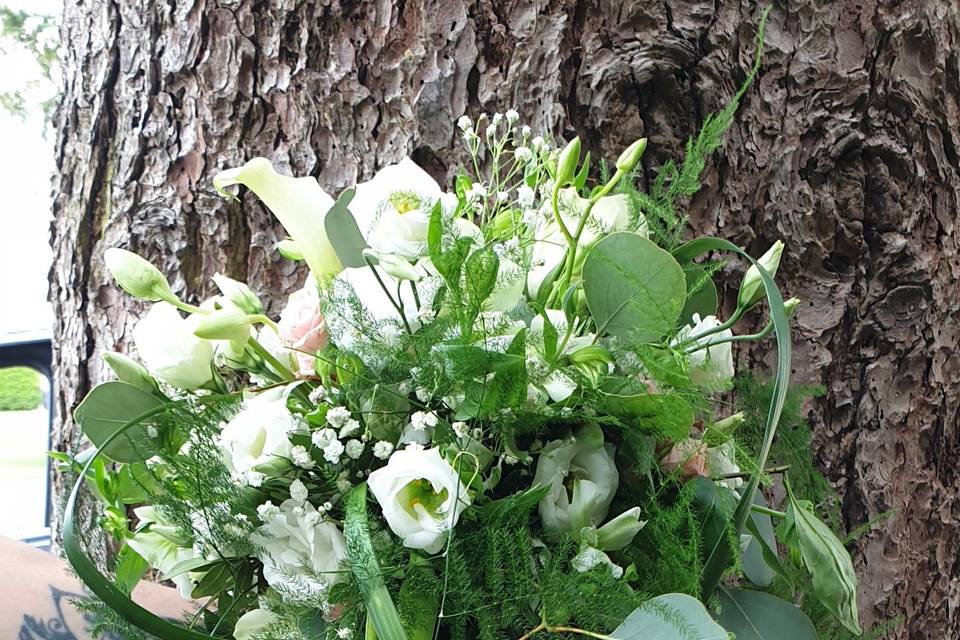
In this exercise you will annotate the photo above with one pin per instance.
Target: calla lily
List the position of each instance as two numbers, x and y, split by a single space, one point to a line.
300 204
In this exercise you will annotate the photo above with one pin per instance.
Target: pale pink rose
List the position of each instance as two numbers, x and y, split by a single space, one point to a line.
302 326
689 457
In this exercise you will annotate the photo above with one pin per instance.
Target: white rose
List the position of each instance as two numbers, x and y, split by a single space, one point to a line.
595 481
258 434
253 622
393 209
710 367
302 553
169 349
421 496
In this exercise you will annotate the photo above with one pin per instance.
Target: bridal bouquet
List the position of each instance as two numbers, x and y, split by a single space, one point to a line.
497 412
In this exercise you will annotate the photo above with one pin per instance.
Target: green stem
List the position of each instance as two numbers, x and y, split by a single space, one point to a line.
383 286
744 338
770 512
718 329
269 358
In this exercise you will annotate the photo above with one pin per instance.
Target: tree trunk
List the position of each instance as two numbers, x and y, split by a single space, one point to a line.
846 148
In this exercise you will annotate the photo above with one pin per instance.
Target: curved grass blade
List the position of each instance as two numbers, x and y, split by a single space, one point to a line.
720 558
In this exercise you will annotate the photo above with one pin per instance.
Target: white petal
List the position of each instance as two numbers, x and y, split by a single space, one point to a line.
300 204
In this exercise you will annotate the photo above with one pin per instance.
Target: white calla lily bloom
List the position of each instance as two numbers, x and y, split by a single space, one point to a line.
589 464
158 543
170 350
300 204
421 497
393 209
302 553
712 365
258 434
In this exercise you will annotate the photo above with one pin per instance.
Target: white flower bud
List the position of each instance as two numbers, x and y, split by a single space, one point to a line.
239 293
228 323
751 289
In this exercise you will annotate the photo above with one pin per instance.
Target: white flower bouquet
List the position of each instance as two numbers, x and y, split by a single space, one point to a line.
489 413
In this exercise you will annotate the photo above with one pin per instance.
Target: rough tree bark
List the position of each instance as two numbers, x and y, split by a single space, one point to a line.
846 148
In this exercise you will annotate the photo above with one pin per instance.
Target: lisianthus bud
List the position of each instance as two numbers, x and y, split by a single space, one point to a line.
253 622
620 531
130 371
137 276
631 155
289 250
591 354
398 267
790 306
751 289
228 323
728 424
239 293
567 162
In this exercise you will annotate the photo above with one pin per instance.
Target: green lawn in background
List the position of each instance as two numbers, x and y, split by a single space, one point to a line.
20 389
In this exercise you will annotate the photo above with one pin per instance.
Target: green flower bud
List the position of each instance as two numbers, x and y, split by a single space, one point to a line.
567 162
239 293
228 323
130 371
348 367
728 424
137 276
790 306
751 289
503 224
289 250
620 531
631 155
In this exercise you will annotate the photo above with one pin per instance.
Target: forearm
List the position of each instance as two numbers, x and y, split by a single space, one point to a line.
36 594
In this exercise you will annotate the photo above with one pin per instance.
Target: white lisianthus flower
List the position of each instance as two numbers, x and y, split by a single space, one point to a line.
722 461
302 553
158 543
393 209
712 366
421 496
259 434
170 350
595 479
253 622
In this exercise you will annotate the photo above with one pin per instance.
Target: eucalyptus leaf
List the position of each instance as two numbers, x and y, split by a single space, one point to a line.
673 616
755 615
634 289
110 406
344 233
825 558
755 561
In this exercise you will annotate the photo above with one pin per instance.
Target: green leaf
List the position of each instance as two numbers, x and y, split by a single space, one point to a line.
634 289
312 626
701 294
549 338
480 277
672 616
344 233
385 411
781 325
111 406
714 507
825 557
769 552
755 561
215 580
129 569
755 615
366 569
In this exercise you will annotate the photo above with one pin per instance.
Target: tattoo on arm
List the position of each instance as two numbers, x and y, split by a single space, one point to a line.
55 628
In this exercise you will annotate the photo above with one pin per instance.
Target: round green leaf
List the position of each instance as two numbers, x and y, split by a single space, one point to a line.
673 616
755 565
755 615
109 407
634 289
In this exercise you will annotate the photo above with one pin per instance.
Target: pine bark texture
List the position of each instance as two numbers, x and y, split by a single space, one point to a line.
846 148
